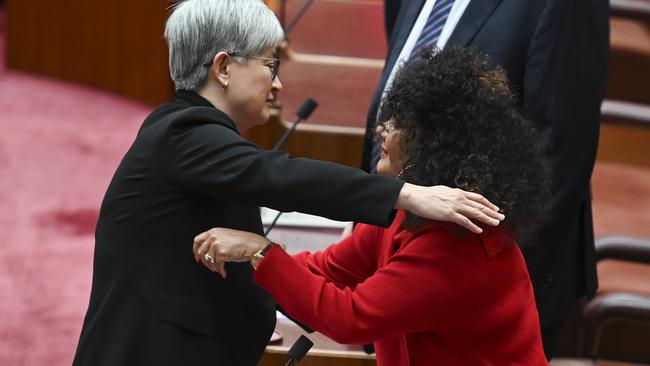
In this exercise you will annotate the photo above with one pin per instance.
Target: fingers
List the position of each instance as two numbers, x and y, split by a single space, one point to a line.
466 223
208 261
219 245
198 241
482 200
221 269
201 237
479 208
486 211
471 212
200 249
202 252
473 206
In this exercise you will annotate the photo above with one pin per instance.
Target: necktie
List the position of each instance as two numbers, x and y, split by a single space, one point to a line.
433 27
428 37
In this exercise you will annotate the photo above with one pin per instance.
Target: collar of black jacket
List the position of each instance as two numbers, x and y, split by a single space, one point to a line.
193 99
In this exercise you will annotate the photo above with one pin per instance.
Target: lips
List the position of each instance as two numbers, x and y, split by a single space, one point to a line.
383 153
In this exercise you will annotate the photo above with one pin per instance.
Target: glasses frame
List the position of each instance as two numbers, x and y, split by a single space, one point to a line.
275 69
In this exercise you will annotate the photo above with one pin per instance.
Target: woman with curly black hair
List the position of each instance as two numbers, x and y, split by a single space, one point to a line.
426 293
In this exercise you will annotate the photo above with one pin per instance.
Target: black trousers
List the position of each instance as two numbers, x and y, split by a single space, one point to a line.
551 338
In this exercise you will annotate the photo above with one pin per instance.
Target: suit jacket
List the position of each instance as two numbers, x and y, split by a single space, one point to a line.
189 170
555 53
437 295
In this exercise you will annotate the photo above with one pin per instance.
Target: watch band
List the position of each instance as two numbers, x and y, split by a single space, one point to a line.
259 255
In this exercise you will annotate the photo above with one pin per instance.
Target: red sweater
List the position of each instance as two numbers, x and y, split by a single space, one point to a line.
436 296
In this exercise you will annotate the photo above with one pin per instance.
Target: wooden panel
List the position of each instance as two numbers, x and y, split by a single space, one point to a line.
627 143
629 59
339 145
620 141
114 46
270 359
325 352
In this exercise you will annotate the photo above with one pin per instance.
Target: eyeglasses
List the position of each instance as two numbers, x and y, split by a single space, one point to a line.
275 66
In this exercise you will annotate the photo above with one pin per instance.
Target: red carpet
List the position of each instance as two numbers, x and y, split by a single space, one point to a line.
59 145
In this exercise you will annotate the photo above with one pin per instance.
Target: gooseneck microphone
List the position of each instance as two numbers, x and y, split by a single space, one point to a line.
303 9
303 113
299 350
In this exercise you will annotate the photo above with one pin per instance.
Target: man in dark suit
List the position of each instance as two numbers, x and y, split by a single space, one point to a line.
555 53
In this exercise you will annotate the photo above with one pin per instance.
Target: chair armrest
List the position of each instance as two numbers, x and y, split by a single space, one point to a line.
618 111
635 9
620 304
623 248
617 327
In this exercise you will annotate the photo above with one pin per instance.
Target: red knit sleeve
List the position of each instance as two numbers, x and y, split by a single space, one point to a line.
349 262
420 288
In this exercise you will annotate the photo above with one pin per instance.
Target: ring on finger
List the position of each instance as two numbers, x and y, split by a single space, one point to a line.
208 258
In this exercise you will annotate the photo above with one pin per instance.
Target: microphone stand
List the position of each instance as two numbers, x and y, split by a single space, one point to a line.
299 350
303 9
283 12
305 110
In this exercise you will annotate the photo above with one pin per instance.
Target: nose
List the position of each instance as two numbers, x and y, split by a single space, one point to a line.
277 84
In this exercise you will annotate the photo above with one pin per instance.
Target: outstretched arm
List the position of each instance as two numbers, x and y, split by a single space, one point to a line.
345 264
209 159
404 295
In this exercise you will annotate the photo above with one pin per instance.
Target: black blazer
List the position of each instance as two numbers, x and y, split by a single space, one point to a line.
189 170
555 53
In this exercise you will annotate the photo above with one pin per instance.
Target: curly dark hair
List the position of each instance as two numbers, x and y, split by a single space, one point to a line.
461 126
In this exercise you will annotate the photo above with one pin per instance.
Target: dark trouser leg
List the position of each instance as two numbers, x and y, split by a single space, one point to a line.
550 338
562 337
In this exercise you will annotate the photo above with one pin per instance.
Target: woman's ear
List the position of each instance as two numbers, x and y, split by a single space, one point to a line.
221 69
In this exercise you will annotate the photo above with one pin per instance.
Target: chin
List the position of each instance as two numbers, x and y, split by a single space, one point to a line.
265 115
383 170
263 120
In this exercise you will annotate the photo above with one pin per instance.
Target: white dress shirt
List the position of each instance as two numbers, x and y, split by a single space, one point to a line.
455 14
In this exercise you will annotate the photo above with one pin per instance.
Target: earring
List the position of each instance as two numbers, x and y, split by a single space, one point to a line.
224 86
399 175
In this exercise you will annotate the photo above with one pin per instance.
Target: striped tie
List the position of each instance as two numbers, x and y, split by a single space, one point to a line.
428 37
433 27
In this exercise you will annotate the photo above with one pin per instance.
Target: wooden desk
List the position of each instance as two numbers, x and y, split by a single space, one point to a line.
325 352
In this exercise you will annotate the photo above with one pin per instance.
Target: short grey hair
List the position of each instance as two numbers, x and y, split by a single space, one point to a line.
198 29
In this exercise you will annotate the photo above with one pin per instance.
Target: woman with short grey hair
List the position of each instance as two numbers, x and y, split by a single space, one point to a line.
189 170
235 26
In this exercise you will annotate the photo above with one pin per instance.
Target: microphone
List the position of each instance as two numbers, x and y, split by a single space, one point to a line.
303 113
299 350
303 9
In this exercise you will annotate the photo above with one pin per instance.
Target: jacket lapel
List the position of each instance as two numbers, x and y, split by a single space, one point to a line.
408 15
470 23
409 12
